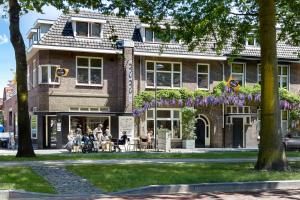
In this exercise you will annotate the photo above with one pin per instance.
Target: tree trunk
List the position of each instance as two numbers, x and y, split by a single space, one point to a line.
271 154
25 148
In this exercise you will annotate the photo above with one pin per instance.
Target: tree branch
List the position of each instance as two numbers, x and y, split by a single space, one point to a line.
244 14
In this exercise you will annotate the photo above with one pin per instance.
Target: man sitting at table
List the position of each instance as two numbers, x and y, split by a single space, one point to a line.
106 141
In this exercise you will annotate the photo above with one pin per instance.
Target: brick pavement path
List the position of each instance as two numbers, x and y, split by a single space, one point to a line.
257 195
65 182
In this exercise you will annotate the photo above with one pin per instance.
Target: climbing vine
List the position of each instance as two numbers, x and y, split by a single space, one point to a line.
221 94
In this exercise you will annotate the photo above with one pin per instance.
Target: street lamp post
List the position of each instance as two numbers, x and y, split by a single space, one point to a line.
155 118
157 66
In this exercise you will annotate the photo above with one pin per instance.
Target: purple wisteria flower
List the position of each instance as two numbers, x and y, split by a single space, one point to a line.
180 103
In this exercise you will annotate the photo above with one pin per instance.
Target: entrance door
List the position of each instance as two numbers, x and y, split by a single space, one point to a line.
200 133
52 131
238 132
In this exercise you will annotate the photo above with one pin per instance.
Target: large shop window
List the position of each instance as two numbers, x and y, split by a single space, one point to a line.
203 76
89 71
88 29
166 119
47 74
164 74
283 75
88 124
238 72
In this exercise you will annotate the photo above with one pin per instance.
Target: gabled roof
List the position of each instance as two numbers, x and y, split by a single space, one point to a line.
61 36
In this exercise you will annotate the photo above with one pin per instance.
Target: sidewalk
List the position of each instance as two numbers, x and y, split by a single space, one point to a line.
196 150
130 161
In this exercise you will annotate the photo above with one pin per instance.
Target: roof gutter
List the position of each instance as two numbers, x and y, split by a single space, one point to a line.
34 48
166 55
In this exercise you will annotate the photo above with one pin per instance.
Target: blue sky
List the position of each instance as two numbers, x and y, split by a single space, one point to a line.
7 54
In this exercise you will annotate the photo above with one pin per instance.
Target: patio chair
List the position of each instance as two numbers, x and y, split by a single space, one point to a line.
144 143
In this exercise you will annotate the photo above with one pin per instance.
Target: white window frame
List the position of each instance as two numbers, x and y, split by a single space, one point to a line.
281 121
284 121
89 22
280 76
89 71
172 119
202 73
28 78
143 34
34 75
49 82
36 127
90 109
254 41
243 74
154 71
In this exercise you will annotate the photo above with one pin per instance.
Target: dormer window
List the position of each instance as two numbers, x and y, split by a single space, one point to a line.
151 36
40 28
250 41
84 27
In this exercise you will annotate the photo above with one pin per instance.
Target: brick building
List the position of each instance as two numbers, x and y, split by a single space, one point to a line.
104 76
10 107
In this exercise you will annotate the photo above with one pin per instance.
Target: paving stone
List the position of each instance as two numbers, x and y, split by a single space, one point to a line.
64 181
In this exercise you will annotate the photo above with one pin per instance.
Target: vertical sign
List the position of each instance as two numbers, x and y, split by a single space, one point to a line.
34 127
129 70
126 123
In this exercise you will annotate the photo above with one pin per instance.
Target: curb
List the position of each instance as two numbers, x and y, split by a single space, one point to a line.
165 189
212 187
21 194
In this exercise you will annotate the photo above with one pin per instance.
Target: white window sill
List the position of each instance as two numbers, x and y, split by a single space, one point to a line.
159 87
89 85
205 89
160 43
49 83
88 38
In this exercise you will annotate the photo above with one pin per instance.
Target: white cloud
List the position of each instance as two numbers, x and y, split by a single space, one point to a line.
3 39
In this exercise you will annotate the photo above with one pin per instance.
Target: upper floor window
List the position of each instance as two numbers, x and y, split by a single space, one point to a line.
89 71
203 76
238 72
283 75
251 41
164 74
88 29
152 36
47 74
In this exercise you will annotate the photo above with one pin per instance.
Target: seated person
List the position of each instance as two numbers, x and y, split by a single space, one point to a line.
123 139
106 140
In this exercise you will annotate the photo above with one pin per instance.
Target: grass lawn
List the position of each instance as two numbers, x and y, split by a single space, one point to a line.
112 178
23 178
106 155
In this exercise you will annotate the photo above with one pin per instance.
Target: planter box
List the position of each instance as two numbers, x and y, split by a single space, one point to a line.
164 142
188 144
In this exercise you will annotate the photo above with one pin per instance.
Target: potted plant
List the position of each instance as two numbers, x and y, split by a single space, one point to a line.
188 127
